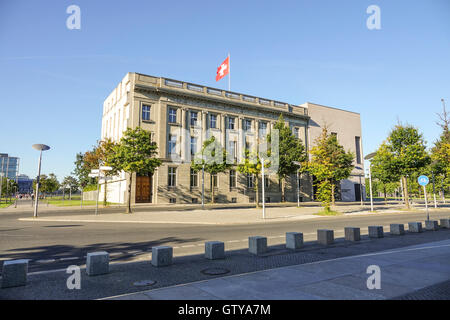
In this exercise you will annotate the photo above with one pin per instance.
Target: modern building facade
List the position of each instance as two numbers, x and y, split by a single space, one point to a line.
9 166
25 184
182 115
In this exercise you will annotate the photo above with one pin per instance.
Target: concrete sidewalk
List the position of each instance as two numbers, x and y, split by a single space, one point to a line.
404 270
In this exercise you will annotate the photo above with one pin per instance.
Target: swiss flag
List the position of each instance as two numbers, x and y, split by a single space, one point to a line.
223 69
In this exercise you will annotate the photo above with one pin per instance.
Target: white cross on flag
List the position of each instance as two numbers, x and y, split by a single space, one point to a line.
223 69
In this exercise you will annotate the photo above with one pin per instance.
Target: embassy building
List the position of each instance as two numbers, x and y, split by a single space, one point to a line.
182 115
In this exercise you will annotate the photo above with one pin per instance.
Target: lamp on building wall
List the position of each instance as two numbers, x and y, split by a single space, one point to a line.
40 148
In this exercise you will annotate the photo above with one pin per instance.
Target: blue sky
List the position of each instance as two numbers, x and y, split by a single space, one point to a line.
54 80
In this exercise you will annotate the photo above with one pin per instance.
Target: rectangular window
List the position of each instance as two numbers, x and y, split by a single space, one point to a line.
172 177
231 123
262 129
248 145
266 182
296 132
232 150
358 149
193 146
194 178
232 178
250 183
213 121
172 115
194 118
247 125
145 112
172 144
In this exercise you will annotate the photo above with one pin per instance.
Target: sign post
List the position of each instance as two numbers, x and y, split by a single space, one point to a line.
423 181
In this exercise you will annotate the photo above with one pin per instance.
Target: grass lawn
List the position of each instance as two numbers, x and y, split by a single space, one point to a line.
72 203
5 205
328 213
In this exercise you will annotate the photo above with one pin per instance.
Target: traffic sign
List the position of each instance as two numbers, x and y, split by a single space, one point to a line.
423 180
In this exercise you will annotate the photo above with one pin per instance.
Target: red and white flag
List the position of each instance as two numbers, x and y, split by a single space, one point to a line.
223 69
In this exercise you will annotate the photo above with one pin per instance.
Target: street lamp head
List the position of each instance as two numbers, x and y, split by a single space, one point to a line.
40 147
370 156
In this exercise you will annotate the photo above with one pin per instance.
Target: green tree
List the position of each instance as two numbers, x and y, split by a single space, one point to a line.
329 164
408 154
47 184
251 165
81 171
134 154
9 187
291 149
212 164
70 183
383 169
342 162
440 154
92 159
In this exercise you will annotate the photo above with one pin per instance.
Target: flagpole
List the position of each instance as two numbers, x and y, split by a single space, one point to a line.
229 72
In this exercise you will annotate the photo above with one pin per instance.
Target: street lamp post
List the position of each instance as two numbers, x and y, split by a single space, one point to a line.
263 189
203 186
1 185
40 148
368 158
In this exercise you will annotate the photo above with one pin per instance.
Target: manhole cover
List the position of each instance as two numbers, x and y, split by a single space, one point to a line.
144 283
215 271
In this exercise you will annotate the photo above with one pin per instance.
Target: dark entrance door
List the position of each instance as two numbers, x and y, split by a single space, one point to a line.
143 189
357 192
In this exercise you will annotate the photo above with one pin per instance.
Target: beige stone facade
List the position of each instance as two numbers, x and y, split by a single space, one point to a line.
182 115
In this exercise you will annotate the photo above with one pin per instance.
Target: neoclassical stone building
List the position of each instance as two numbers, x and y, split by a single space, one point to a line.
182 115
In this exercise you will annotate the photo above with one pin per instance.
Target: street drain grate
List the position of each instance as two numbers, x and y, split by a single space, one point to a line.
144 283
215 271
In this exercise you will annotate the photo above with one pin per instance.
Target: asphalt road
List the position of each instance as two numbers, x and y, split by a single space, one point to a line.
56 245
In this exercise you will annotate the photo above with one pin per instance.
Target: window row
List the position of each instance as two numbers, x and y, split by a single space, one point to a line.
194 119
195 180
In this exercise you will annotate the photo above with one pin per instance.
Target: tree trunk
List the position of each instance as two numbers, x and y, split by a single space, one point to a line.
332 194
405 191
129 194
385 197
257 190
283 188
104 194
212 188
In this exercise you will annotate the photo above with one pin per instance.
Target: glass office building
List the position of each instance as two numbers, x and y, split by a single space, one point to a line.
9 166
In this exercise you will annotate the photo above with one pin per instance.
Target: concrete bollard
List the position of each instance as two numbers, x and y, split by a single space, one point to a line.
257 244
376 232
97 263
294 240
431 225
162 256
397 229
14 273
352 234
214 250
325 236
415 227
445 223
